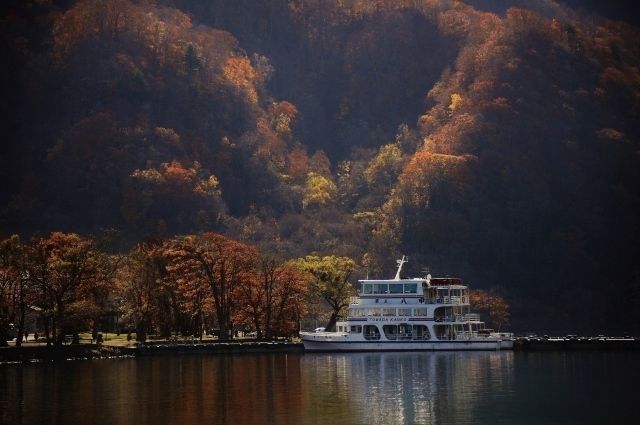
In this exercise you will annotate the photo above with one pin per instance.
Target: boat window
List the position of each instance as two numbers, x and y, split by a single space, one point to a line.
388 311
421 332
443 314
390 332
371 332
404 312
367 288
445 332
374 312
410 288
420 311
380 288
405 331
356 329
356 312
395 288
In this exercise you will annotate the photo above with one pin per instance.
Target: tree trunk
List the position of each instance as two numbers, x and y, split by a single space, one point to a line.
331 324
20 331
46 331
4 332
141 331
57 325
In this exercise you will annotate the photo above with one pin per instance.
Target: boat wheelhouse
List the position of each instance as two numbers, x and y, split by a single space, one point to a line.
409 314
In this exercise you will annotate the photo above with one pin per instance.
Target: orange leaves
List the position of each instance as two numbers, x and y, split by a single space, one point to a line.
70 274
282 115
493 304
241 75
174 197
175 173
611 134
174 177
428 172
616 77
270 299
161 35
211 266
298 165
454 23
213 46
216 280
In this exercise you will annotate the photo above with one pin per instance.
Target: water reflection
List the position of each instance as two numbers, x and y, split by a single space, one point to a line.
359 388
405 388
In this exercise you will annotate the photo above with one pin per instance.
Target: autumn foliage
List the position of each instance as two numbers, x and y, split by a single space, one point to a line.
497 140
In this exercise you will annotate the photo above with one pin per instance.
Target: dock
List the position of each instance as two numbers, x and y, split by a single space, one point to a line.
573 342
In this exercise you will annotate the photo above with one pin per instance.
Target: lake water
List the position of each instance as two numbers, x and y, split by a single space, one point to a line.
505 387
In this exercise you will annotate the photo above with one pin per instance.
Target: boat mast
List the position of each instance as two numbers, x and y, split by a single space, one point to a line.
400 263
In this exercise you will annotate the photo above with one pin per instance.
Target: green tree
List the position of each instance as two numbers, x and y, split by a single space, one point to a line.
329 282
384 168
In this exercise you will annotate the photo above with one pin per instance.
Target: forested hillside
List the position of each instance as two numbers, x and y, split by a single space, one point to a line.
498 141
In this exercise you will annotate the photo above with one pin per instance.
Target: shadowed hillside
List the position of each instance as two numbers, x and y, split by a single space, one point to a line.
494 140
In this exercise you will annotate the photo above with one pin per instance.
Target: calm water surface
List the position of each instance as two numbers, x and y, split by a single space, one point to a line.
357 388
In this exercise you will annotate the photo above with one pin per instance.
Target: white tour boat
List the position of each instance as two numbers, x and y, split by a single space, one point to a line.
409 314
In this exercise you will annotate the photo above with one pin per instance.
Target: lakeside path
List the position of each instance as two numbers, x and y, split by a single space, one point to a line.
31 351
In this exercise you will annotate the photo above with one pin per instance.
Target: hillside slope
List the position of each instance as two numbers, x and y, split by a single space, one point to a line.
495 140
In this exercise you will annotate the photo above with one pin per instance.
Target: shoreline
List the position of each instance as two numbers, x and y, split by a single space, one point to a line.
41 353
576 343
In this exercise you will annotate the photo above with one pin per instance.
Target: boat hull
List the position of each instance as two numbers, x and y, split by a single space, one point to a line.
315 342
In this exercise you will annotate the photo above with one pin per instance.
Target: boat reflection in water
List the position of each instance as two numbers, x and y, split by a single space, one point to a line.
422 387
404 388
334 388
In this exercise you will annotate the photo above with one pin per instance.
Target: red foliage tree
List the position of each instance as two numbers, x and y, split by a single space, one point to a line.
217 262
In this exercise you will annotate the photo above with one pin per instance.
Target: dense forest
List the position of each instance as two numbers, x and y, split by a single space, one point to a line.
493 140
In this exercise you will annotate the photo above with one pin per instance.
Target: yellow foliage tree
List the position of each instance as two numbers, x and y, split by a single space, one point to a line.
319 191
456 101
384 167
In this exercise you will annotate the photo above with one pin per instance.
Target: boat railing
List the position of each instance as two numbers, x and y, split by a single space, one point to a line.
466 334
446 319
469 317
454 299
354 300
399 337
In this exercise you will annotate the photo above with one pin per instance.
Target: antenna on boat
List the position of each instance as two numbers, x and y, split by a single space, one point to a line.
400 263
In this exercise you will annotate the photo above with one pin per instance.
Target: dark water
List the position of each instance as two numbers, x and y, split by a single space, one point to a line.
371 388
